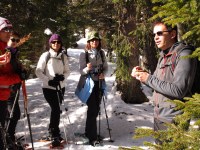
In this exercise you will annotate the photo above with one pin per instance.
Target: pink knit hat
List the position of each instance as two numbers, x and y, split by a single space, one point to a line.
4 23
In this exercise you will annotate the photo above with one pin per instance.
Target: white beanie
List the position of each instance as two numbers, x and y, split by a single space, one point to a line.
4 23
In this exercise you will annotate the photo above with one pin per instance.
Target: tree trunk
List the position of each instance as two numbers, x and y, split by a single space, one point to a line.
131 91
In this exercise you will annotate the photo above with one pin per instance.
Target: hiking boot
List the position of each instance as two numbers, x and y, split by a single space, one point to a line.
62 140
55 142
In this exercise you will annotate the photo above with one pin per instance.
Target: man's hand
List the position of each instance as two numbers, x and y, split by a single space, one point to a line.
139 74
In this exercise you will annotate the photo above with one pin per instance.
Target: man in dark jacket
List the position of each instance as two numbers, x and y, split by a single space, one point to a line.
168 82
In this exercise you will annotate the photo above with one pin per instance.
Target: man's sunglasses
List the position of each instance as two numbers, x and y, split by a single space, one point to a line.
54 42
15 40
6 29
159 33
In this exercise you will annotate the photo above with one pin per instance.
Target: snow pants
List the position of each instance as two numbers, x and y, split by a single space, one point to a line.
53 100
93 104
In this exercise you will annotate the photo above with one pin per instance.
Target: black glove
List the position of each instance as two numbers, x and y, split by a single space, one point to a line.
53 83
59 77
24 75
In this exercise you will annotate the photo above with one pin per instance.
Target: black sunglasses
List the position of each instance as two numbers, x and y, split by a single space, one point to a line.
159 33
15 40
6 29
54 42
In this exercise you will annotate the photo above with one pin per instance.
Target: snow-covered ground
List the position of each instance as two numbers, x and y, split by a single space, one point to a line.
123 118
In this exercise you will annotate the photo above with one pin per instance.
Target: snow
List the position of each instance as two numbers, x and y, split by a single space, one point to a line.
123 118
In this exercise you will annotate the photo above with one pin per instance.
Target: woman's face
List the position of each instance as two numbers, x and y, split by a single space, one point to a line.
56 45
94 43
13 41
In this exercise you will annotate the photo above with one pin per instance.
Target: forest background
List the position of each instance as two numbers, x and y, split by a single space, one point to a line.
125 27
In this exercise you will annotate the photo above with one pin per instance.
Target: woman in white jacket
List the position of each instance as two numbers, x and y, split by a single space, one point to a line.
53 70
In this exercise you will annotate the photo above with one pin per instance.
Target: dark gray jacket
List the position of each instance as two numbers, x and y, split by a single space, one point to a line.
172 84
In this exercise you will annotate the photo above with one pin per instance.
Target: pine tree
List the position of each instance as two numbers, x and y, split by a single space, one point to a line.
181 135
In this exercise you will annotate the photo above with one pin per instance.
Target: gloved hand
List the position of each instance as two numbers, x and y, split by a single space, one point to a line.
24 75
53 83
59 77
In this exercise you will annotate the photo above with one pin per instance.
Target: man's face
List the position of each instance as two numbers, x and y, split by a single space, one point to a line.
163 38
5 35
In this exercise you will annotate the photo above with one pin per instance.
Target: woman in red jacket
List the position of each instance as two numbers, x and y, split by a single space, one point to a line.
7 75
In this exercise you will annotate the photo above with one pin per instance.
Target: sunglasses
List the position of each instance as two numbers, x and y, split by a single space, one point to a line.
15 40
54 42
159 33
6 29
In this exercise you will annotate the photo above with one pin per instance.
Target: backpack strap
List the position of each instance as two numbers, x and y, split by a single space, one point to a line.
86 57
173 60
62 58
102 56
47 57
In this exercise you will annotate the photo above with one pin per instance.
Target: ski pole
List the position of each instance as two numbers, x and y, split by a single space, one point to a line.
66 109
107 119
59 102
11 117
26 110
100 93
12 110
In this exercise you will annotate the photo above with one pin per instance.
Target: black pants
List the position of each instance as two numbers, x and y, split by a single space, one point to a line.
93 104
16 110
3 112
53 100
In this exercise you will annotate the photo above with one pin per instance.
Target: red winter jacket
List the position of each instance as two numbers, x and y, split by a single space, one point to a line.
7 76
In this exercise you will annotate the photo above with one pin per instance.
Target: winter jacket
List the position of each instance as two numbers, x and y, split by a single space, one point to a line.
96 60
169 84
46 70
7 76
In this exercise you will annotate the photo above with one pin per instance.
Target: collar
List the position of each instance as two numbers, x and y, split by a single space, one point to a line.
170 50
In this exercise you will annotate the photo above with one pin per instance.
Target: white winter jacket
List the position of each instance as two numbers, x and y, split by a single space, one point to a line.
46 70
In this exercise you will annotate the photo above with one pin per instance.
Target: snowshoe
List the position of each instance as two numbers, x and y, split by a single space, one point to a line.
56 144
96 143
45 138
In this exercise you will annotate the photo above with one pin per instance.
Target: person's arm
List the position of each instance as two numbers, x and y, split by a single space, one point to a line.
184 74
40 69
84 68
